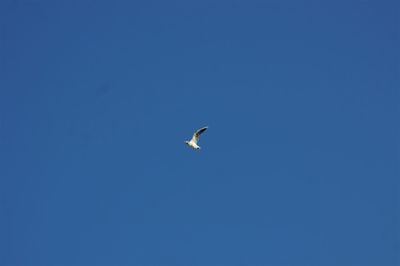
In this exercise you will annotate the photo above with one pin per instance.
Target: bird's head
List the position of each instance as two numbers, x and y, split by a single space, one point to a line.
186 141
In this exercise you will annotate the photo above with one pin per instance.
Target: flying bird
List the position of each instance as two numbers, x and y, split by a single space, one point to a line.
195 139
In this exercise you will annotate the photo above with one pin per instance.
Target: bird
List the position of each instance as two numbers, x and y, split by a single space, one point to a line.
195 138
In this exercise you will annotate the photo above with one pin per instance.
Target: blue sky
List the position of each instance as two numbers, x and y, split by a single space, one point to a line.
300 165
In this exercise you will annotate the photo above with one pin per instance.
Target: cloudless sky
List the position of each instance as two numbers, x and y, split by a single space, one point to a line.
299 166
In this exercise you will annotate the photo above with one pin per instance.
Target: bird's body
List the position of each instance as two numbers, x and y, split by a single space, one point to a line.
195 139
193 144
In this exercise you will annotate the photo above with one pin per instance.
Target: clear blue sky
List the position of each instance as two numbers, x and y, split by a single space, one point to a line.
300 165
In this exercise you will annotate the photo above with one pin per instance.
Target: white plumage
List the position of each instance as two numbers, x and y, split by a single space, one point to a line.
195 139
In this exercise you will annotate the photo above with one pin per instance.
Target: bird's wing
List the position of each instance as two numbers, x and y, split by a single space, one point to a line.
197 134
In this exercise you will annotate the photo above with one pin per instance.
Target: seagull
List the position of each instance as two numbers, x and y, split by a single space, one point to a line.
193 142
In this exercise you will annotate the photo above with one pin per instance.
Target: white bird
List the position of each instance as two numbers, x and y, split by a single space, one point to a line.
195 139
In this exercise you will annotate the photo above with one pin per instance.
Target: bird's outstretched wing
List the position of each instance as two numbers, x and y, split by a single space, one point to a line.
197 134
